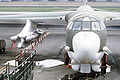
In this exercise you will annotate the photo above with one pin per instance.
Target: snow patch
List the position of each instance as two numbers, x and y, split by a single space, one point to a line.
11 63
45 63
49 63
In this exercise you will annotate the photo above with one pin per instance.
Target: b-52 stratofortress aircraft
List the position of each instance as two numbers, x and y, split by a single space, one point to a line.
85 34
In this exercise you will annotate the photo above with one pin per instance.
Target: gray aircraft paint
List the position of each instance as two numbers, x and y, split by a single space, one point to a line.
70 33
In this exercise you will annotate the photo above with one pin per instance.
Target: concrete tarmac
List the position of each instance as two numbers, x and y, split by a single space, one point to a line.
49 50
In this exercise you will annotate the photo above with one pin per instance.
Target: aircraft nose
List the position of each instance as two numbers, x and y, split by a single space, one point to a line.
86 46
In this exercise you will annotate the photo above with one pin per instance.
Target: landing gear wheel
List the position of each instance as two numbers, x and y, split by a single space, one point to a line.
66 59
103 64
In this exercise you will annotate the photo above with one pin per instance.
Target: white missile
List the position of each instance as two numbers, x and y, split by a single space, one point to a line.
29 34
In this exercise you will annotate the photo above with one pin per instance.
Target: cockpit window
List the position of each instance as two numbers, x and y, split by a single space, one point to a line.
86 25
77 26
95 26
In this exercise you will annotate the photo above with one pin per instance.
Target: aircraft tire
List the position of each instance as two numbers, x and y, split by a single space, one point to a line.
66 59
103 64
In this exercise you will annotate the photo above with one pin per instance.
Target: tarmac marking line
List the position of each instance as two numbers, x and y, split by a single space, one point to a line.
2 69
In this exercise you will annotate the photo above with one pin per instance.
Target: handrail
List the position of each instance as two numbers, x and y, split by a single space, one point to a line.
24 61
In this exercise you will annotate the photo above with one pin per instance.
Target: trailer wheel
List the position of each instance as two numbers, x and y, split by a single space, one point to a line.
3 49
66 59
103 64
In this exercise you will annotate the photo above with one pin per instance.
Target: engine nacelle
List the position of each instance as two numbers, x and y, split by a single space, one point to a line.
20 45
15 38
28 39
31 37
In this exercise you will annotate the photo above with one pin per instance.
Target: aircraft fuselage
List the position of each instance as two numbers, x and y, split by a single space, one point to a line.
85 39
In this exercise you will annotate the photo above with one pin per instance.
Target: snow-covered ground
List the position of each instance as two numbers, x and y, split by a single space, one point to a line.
45 63
11 63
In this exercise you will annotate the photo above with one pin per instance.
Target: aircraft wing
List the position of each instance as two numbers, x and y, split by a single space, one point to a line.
54 18
108 14
30 33
110 18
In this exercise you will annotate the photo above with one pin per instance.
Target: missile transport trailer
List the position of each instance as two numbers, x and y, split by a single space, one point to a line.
2 45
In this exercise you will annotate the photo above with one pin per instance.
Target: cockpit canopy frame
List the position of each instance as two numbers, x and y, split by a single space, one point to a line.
86 23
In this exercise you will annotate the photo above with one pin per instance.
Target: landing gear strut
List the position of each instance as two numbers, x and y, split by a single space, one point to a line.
66 59
103 64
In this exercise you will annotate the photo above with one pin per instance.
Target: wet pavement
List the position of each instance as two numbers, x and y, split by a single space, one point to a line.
49 50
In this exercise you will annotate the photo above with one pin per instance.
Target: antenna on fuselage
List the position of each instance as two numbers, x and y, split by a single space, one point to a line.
85 2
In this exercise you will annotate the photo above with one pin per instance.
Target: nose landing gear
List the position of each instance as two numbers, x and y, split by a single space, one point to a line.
66 59
80 76
103 64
